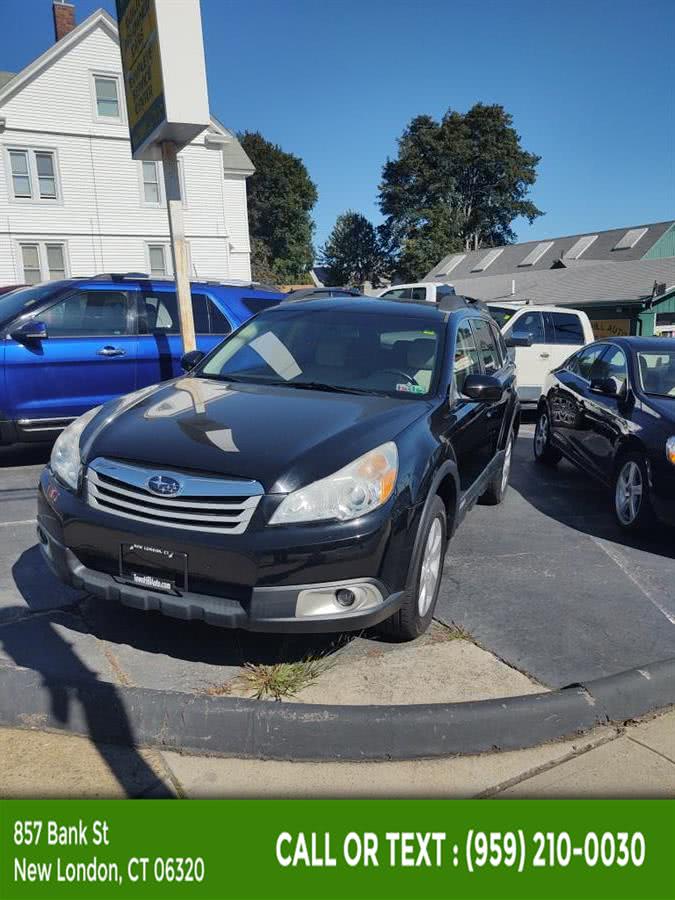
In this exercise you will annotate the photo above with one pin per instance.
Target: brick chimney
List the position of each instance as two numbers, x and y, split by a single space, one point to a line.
64 18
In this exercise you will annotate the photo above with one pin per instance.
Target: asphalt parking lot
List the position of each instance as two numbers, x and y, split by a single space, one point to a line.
546 582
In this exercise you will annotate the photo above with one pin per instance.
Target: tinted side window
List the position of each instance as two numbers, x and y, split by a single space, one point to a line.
398 294
567 328
219 323
467 360
587 359
88 313
529 324
487 347
257 304
161 313
612 365
419 293
499 340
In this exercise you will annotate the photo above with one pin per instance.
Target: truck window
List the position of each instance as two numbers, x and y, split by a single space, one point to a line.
567 328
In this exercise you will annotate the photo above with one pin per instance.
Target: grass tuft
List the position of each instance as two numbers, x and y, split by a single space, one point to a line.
282 679
442 633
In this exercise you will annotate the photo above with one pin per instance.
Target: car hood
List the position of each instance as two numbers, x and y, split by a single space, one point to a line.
282 437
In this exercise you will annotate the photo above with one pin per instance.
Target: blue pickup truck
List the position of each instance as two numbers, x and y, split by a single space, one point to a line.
67 346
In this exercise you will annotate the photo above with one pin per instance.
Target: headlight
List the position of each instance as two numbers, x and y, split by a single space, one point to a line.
670 449
65 458
360 487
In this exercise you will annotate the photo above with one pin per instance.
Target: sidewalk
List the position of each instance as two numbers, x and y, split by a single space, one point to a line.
634 761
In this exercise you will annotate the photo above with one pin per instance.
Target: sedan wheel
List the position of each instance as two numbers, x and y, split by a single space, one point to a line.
628 495
544 451
541 434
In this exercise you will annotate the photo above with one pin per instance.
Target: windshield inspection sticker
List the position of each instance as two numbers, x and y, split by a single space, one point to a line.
410 388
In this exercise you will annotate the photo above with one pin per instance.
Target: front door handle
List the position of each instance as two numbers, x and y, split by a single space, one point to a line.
544 355
111 351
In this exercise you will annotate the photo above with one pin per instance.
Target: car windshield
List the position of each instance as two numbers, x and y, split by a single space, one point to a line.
21 301
328 349
657 372
501 314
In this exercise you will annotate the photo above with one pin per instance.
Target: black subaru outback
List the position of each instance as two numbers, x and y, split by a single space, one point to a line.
306 475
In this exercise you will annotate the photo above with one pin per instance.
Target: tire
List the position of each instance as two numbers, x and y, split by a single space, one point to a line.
499 484
417 610
544 452
632 503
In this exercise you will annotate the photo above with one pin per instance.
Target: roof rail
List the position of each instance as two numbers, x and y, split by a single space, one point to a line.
118 276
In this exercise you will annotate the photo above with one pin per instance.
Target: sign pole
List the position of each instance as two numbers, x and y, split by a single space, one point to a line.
179 250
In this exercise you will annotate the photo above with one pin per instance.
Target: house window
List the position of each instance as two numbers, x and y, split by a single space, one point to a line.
107 97
56 263
151 189
20 173
31 263
43 261
44 163
151 177
33 174
157 257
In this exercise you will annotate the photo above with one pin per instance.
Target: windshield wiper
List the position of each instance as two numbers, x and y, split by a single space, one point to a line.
329 388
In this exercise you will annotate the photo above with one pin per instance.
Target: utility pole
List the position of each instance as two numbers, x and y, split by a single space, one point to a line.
179 250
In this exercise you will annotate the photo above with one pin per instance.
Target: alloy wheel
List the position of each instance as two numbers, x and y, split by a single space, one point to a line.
628 497
431 567
541 434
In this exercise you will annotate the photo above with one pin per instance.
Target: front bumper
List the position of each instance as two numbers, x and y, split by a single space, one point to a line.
251 581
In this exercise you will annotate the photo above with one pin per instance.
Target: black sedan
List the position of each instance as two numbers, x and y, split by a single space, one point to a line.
610 409
305 476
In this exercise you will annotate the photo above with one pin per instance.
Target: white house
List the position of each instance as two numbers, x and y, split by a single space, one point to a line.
72 200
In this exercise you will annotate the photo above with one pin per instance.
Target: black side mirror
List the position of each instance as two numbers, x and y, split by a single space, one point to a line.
610 387
482 387
189 360
520 340
31 331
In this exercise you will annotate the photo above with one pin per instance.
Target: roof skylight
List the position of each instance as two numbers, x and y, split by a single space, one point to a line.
536 254
487 260
580 246
630 239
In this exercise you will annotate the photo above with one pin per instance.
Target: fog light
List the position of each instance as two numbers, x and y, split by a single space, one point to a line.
345 597
336 600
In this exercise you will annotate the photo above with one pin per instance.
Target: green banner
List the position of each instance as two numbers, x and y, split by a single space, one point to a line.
351 849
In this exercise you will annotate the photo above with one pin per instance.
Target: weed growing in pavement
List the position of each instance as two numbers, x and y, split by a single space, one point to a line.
282 679
442 633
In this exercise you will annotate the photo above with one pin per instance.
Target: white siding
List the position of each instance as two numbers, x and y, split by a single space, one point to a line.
100 214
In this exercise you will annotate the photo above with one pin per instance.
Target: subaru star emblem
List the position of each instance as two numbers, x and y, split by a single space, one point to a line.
164 485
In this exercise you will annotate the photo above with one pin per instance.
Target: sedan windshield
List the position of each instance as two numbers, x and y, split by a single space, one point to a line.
657 372
332 350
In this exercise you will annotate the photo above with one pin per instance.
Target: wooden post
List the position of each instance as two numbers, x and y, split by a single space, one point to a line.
179 252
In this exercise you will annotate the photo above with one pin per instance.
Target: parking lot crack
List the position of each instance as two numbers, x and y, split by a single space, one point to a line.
116 667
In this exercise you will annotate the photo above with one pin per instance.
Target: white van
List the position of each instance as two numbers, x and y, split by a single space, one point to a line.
430 291
542 337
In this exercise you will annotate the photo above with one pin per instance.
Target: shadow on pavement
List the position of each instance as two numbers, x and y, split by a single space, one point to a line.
574 499
152 632
105 715
24 455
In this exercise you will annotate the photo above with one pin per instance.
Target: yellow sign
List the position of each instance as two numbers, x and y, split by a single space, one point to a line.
141 62
604 328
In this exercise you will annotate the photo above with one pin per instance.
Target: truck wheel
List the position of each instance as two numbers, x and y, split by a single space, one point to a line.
416 613
499 483
544 451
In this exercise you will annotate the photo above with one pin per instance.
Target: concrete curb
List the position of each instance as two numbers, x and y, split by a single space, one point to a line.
225 726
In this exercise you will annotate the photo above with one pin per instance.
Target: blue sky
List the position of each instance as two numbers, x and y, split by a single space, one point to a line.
590 85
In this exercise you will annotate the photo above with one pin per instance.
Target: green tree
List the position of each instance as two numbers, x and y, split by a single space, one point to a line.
352 252
457 184
280 199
